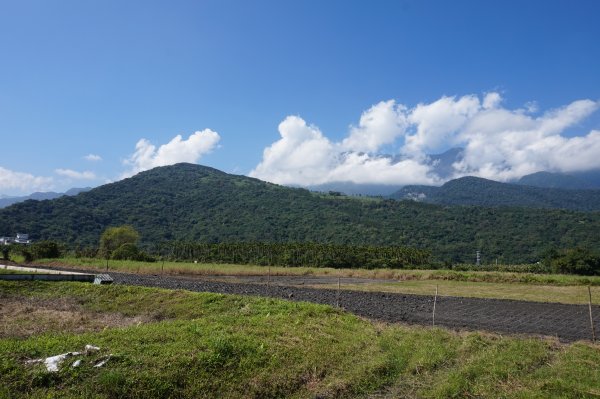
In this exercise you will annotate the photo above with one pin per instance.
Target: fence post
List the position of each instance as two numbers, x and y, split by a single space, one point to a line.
591 317
337 296
434 303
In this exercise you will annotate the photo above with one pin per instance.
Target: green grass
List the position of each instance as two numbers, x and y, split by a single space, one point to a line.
7 271
194 345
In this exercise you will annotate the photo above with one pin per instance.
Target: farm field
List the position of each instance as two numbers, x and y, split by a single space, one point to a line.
499 285
514 291
567 322
173 343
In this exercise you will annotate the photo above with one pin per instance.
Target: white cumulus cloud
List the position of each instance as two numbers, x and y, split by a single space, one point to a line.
92 158
304 156
436 123
148 156
381 124
73 174
504 145
499 143
22 183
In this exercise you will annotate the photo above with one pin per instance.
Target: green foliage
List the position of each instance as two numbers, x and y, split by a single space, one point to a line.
297 254
114 238
38 250
482 192
576 261
22 250
187 202
46 249
130 251
85 252
6 252
127 251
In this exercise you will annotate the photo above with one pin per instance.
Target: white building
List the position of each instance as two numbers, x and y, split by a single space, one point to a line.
19 239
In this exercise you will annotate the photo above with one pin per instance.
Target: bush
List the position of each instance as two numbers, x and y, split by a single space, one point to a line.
37 250
22 250
129 251
86 252
45 249
576 261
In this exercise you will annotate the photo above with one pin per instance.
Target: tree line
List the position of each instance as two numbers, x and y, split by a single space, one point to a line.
295 254
121 243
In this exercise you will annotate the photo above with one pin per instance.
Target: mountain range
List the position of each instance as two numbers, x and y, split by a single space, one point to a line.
482 192
197 203
442 166
39 196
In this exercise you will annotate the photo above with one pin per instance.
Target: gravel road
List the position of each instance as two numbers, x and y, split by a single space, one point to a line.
567 322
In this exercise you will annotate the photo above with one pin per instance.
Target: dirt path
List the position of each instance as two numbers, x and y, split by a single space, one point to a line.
567 322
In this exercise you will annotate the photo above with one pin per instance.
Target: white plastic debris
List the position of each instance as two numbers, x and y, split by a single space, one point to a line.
102 361
53 363
91 348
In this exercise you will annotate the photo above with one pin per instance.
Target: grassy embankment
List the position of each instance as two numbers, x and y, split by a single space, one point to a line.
191 345
503 285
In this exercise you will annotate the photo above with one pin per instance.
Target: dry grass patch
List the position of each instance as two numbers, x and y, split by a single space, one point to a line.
22 317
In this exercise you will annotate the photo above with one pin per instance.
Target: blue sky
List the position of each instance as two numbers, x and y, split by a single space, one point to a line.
326 87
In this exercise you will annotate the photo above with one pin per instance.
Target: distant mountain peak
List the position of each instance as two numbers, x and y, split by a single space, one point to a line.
40 196
556 180
477 191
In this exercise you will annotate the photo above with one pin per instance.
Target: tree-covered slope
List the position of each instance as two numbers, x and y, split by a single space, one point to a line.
555 180
489 193
191 202
577 180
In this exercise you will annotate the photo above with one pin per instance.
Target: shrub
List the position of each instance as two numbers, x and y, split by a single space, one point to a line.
127 251
45 249
86 252
576 261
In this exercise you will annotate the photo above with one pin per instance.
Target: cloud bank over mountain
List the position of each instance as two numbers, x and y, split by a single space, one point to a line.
496 143
499 143
148 156
10 179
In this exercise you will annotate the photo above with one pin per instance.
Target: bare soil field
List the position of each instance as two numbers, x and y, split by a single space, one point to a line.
566 322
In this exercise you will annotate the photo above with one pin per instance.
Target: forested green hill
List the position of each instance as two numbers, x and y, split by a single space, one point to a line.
192 202
482 192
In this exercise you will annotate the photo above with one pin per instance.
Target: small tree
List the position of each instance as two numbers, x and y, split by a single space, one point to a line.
45 249
114 237
6 252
